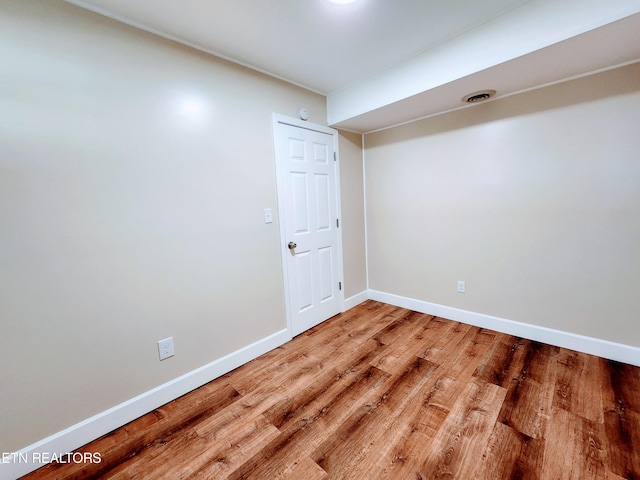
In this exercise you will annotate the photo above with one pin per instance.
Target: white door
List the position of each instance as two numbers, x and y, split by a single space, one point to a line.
308 193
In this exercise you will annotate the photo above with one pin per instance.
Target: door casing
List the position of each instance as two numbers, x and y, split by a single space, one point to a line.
284 251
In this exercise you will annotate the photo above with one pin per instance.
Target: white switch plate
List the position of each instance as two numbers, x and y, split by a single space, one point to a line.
165 348
268 216
462 286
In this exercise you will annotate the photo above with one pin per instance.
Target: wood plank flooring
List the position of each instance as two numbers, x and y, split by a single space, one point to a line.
381 392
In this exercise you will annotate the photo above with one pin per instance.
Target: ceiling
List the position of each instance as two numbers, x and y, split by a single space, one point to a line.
385 62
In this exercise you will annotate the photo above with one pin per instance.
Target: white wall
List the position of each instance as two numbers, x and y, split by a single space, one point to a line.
533 199
133 177
352 199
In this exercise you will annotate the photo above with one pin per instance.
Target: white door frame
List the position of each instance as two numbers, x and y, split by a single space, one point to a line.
284 251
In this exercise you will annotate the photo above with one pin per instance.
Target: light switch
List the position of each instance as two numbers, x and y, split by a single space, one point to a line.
268 216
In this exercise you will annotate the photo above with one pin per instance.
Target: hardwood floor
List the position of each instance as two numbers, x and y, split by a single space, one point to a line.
381 392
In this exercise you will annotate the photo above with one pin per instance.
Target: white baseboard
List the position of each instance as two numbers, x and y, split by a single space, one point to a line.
581 343
84 432
356 299
22 462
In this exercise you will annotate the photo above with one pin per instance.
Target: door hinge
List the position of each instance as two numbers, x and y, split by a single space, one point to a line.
337 222
335 157
339 285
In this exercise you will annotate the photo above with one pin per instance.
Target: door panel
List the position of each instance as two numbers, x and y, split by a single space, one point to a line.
300 192
321 153
308 189
325 263
304 285
323 203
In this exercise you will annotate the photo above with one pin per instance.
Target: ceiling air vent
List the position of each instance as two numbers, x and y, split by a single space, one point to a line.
480 96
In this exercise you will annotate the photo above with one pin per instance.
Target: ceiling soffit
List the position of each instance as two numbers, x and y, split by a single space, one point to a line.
526 48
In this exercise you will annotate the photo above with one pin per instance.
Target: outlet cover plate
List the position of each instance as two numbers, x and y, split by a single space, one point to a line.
165 348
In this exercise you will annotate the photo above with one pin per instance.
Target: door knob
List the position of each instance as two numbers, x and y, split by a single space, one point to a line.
292 245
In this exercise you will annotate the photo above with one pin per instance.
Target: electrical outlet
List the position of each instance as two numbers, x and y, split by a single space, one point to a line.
165 348
462 286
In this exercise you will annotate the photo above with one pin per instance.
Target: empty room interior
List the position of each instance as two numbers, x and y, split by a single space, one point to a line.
485 163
